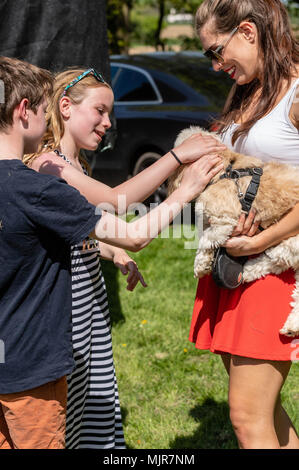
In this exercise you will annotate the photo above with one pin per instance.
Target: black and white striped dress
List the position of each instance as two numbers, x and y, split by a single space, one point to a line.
93 409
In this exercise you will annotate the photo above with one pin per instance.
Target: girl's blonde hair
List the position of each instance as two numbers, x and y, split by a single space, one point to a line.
55 125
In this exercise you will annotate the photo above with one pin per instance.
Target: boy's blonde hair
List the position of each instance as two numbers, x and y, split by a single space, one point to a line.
55 125
19 80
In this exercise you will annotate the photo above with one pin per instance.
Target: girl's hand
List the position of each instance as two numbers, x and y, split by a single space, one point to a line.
128 266
196 146
198 174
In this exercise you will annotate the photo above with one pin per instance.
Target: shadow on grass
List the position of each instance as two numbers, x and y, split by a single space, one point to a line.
110 273
214 431
124 415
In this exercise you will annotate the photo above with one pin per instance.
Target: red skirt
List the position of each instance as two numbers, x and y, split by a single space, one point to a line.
244 321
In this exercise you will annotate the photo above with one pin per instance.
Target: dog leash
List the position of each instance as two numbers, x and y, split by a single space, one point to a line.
246 199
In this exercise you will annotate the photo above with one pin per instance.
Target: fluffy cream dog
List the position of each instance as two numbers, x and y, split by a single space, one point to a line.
277 194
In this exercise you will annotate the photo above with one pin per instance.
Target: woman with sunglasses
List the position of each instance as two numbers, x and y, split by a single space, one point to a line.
78 117
252 41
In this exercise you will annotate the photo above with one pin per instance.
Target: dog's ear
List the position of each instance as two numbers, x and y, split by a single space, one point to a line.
229 157
185 133
239 160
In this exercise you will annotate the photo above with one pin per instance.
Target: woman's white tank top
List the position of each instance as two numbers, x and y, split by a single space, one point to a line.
273 137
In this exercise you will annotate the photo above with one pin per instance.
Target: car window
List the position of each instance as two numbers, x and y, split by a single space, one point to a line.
169 94
132 85
113 71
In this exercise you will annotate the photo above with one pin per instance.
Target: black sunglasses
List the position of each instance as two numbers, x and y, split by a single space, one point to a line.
215 54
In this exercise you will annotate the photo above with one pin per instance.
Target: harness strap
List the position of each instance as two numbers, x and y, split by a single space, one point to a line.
251 192
255 173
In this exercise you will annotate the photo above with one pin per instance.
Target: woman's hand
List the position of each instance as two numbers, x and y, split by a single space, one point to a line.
247 225
242 241
243 246
196 146
128 266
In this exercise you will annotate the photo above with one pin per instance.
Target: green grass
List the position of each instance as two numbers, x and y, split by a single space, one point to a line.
172 395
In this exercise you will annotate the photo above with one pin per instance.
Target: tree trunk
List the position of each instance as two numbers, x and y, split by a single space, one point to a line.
158 41
126 10
55 34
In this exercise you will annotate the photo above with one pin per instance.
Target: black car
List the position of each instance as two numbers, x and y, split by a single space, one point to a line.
156 96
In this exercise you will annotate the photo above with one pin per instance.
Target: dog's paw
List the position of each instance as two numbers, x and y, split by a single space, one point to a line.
202 266
201 274
249 275
201 269
291 326
289 332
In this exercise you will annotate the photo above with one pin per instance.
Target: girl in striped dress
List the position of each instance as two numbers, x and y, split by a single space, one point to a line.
78 117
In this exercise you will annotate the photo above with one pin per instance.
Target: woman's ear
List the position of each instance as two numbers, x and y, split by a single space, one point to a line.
248 30
65 107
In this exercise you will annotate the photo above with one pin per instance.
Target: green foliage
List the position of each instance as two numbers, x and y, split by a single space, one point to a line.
137 21
143 28
114 22
118 24
190 44
187 7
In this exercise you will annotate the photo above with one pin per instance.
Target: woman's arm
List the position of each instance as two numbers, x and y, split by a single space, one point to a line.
287 227
294 111
244 245
137 188
125 264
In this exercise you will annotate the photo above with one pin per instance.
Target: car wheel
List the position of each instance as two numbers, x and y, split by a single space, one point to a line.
143 162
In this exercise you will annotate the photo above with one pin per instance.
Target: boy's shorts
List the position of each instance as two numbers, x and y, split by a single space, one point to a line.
34 419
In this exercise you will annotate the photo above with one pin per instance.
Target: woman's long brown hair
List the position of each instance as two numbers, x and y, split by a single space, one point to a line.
278 47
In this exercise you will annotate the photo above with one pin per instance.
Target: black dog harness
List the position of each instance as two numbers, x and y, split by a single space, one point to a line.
227 271
255 173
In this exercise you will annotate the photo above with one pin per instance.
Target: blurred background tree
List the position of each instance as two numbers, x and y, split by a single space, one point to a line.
119 25
148 23
142 22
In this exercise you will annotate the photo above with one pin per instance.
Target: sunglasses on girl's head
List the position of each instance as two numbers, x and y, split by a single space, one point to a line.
93 72
215 54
